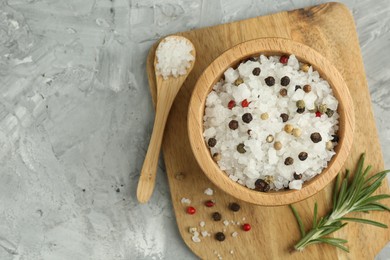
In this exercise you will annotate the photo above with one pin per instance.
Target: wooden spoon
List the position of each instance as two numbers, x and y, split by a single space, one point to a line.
167 90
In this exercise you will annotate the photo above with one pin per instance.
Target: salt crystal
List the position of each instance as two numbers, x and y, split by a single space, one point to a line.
209 192
196 239
226 222
205 233
174 57
202 223
234 234
185 201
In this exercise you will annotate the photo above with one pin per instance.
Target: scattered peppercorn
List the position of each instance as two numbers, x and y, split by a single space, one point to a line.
323 108
288 161
297 87
256 71
118 190
329 145
297 132
262 185
318 114
246 227
283 59
277 145
302 156
231 104
307 88
191 210
234 207
216 157
252 59
335 138
212 142
245 103
209 203
288 128
264 116
216 216
220 236
270 81
285 81
300 110
300 104
283 92
238 81
297 176
284 117
233 124
305 67
240 148
329 112
270 139
316 137
247 117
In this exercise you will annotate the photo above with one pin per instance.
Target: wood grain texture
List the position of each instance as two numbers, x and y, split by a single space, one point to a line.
167 90
231 58
330 30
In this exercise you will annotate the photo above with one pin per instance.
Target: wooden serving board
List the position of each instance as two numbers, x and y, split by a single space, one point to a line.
329 29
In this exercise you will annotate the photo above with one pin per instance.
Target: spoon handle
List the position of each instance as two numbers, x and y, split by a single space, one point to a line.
147 178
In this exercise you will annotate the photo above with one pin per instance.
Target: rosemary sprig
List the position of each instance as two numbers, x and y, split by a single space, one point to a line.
353 196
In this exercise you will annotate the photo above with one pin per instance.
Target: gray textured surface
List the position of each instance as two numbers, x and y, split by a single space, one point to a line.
75 113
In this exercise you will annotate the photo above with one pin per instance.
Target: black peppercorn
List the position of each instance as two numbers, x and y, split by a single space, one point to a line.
216 216
233 124
285 81
212 142
302 156
297 87
297 176
288 161
335 138
300 110
256 71
247 117
234 207
284 117
316 137
220 236
262 185
270 81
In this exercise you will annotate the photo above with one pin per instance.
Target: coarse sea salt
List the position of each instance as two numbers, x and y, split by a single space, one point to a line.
259 145
209 191
174 57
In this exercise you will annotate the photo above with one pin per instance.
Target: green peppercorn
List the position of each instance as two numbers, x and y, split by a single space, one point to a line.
238 81
300 104
240 148
329 112
322 108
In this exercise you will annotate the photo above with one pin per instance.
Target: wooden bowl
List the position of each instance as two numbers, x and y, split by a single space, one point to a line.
231 58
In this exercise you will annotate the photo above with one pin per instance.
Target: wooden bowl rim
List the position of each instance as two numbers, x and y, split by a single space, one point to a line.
269 46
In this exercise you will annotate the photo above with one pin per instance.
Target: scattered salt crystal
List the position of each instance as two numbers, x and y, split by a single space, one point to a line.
196 239
202 223
226 222
192 230
174 57
209 191
205 233
231 252
234 234
243 219
295 185
185 201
